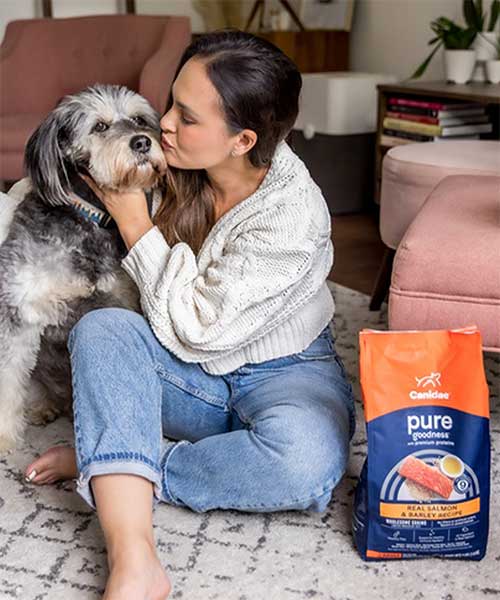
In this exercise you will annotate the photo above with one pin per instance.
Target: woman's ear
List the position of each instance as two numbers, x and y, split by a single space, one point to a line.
245 141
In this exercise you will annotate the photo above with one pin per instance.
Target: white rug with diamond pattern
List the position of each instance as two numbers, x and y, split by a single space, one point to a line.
51 546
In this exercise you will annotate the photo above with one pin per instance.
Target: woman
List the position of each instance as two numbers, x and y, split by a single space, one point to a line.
234 357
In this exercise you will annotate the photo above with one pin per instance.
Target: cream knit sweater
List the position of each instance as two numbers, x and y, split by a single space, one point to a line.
257 289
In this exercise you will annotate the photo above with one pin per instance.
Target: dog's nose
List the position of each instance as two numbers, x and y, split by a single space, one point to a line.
140 143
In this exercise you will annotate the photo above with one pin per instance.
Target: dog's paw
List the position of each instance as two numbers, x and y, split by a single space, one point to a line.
7 444
42 414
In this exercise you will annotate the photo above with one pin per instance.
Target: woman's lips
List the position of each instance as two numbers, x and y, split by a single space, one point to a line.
165 145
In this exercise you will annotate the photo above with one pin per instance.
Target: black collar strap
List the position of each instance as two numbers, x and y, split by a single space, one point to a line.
99 217
87 203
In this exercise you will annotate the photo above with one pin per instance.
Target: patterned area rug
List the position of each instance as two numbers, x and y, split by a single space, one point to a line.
51 546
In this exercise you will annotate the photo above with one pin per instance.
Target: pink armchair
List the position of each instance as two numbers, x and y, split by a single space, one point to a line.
446 270
409 174
42 60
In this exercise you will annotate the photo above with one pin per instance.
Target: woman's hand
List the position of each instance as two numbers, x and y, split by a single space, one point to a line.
128 209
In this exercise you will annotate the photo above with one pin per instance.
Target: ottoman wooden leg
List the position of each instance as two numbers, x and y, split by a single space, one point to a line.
383 280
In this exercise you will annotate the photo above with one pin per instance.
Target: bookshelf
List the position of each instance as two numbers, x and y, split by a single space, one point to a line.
487 94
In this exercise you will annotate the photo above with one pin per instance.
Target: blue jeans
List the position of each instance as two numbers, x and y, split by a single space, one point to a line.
266 437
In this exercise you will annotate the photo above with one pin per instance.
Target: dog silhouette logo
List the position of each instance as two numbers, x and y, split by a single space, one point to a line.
433 379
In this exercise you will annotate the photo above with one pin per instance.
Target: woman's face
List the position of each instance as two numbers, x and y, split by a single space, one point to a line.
195 134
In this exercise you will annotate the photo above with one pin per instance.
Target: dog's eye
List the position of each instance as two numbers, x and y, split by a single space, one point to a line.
100 127
138 120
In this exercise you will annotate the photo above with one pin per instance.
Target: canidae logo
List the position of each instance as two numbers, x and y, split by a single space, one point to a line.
433 380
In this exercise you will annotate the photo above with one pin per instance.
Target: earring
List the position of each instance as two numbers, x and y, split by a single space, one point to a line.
233 152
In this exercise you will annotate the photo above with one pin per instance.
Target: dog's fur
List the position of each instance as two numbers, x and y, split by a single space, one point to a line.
56 264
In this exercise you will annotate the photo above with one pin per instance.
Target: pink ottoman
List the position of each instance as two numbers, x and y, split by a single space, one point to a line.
446 271
411 172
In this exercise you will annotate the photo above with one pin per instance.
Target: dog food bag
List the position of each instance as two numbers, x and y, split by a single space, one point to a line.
425 485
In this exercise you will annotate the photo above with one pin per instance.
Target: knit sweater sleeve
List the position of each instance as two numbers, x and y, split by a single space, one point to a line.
270 268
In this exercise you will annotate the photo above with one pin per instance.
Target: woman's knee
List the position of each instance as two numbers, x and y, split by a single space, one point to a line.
103 324
312 460
316 467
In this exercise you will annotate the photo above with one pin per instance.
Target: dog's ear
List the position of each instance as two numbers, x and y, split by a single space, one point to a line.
44 159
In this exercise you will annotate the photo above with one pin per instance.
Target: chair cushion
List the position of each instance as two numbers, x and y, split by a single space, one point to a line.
16 130
446 269
410 173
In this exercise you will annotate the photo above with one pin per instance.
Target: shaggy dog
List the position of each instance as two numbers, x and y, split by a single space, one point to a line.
61 254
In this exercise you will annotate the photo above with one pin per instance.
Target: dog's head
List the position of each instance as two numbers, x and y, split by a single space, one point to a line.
105 131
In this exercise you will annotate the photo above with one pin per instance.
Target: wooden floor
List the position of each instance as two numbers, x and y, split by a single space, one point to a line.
358 251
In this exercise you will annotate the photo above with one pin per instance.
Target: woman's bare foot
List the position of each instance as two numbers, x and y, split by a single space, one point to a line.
56 463
136 573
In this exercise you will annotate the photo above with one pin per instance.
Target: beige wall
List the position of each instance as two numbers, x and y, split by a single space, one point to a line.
388 36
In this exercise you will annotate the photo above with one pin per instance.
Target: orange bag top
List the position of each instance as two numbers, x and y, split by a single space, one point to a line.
400 368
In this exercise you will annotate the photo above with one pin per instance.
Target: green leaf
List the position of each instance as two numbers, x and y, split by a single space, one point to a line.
469 11
459 38
469 37
447 22
494 13
421 69
473 14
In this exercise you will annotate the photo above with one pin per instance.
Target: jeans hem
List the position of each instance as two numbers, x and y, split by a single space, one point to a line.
296 504
319 500
135 467
168 496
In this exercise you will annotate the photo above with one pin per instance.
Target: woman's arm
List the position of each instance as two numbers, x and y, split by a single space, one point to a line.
133 231
203 310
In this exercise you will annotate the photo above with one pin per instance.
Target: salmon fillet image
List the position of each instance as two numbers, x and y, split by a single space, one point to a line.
418 471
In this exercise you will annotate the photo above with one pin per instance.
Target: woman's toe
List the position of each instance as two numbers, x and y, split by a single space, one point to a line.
40 480
56 463
34 470
30 474
41 464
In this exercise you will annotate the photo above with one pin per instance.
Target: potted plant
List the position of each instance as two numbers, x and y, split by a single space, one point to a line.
493 64
484 42
458 55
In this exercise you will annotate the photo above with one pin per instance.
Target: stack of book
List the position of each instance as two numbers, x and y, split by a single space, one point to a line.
408 120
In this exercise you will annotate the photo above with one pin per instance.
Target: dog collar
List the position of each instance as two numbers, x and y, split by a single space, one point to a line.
97 216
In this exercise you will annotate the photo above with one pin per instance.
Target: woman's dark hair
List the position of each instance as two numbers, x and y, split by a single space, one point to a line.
259 87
